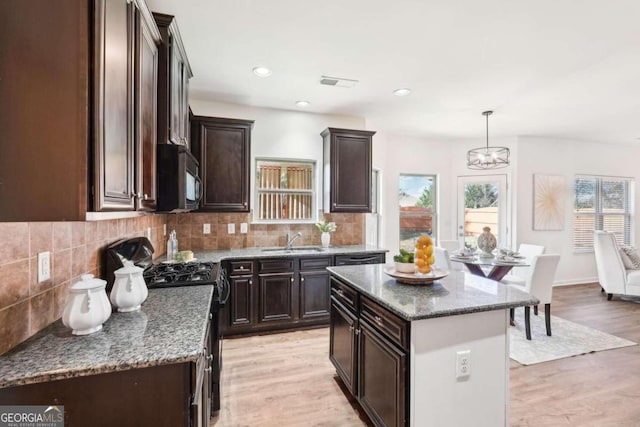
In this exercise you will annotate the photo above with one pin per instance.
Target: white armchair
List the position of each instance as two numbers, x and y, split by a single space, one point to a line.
612 275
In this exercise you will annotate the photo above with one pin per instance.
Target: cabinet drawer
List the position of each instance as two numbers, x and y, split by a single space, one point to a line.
240 267
316 263
279 265
391 326
358 259
347 296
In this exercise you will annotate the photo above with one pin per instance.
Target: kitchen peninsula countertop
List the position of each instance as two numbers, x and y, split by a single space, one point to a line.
221 255
170 328
458 293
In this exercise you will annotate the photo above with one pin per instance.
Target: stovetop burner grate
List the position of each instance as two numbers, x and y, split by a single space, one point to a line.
180 274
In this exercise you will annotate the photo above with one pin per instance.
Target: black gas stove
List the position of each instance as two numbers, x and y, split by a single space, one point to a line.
140 251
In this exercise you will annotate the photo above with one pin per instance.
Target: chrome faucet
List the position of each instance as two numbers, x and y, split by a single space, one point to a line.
290 240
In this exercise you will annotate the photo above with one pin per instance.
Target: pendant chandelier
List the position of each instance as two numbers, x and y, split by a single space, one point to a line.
488 157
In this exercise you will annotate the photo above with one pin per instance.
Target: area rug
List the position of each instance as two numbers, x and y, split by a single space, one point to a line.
568 339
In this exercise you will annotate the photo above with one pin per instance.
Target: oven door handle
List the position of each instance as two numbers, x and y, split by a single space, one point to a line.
226 286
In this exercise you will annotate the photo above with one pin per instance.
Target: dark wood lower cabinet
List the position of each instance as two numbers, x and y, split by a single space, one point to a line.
343 344
372 364
241 312
276 297
381 378
315 288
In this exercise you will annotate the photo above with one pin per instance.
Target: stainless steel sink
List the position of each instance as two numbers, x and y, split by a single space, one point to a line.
295 249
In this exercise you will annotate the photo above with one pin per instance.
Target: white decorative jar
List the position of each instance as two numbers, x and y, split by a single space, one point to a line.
87 306
486 243
325 238
129 289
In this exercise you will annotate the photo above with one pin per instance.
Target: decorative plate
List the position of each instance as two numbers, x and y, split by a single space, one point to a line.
416 278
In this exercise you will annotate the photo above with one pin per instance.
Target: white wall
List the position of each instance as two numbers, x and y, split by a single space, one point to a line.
568 158
281 133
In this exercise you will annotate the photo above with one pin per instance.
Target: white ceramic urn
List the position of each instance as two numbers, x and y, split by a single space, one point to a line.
87 306
129 289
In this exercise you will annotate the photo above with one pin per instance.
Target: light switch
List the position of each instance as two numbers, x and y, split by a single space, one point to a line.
243 228
44 266
164 229
206 228
231 228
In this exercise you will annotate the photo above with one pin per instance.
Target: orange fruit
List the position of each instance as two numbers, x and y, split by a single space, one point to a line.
424 270
420 262
428 251
419 253
431 260
424 240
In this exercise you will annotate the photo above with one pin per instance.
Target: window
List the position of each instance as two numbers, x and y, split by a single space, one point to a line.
602 203
285 191
417 200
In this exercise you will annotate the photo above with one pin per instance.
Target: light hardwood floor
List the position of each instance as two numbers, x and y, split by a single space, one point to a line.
287 380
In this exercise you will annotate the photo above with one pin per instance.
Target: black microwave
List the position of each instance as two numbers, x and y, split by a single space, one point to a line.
179 186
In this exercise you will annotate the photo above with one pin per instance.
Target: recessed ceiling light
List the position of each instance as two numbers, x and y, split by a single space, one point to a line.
261 71
402 92
302 103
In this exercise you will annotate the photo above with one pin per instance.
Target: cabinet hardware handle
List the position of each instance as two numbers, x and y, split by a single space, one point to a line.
334 205
209 369
378 319
210 316
357 331
292 280
351 328
340 292
210 357
242 267
145 196
251 282
302 279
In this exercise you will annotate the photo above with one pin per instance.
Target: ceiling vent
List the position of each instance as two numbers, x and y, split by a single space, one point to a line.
337 81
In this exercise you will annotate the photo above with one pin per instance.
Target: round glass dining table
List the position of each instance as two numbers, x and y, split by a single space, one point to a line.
491 268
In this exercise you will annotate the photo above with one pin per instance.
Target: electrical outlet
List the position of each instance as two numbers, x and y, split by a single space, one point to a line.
463 364
164 229
206 228
44 266
243 228
231 228
149 233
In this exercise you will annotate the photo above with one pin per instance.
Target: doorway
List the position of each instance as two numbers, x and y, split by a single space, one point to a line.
483 202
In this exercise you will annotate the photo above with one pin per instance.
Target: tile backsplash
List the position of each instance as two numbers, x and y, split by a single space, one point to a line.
189 230
76 248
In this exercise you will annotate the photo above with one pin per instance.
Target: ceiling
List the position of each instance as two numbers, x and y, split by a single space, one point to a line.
557 68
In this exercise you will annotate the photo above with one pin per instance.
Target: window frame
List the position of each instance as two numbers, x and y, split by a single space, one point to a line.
313 191
599 214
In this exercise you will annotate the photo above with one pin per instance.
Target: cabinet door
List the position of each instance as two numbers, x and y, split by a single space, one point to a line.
175 88
146 115
276 297
185 107
315 289
223 149
381 378
343 344
240 301
114 112
347 156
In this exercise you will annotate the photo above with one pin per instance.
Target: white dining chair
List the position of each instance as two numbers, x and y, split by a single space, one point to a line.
540 285
451 246
520 275
441 255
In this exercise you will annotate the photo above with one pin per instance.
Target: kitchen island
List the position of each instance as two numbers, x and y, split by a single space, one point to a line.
423 355
147 366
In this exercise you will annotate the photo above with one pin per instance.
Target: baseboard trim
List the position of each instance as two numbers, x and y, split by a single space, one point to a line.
580 281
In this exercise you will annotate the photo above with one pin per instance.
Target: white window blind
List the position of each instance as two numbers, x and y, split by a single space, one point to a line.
602 203
284 190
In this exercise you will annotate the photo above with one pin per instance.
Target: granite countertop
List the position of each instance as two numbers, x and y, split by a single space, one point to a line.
458 293
221 255
170 328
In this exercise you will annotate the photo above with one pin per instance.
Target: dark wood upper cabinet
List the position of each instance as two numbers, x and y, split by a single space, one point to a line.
146 74
347 157
223 148
173 84
77 99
